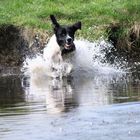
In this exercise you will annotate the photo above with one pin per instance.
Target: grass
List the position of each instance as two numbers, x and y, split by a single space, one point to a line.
94 14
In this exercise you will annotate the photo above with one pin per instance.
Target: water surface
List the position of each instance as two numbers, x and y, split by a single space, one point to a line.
96 101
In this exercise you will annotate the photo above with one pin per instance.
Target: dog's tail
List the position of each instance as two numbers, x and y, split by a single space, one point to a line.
54 21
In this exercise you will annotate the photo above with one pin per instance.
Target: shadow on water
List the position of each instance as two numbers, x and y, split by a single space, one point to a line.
11 91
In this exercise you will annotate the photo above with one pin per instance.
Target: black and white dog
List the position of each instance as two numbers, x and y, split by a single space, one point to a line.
62 42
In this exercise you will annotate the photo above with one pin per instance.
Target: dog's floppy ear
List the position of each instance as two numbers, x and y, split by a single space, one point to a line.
77 26
54 21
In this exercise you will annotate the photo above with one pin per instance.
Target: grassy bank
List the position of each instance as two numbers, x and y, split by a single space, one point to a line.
95 15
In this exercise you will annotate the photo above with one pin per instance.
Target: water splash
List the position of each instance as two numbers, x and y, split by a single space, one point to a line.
91 58
90 81
88 58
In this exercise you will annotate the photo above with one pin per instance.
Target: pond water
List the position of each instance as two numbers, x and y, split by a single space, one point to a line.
96 101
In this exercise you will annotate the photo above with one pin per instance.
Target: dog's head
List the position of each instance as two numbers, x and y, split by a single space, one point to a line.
65 35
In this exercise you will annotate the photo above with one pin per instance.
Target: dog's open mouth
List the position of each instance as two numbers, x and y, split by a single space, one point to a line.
69 46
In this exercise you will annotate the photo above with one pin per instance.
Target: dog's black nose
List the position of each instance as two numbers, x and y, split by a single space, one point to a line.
69 40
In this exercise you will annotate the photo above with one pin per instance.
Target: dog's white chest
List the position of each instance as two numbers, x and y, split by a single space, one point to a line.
52 51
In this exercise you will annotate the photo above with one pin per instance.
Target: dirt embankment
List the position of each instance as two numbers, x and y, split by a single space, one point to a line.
16 43
126 40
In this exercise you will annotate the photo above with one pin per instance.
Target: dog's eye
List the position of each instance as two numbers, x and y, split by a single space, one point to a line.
71 33
63 33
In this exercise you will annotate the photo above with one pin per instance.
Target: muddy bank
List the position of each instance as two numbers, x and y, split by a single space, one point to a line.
17 42
13 46
126 40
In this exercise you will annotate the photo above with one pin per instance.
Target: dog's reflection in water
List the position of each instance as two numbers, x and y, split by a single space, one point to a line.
60 97
58 93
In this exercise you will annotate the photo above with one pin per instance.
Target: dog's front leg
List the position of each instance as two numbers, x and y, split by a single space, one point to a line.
56 64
